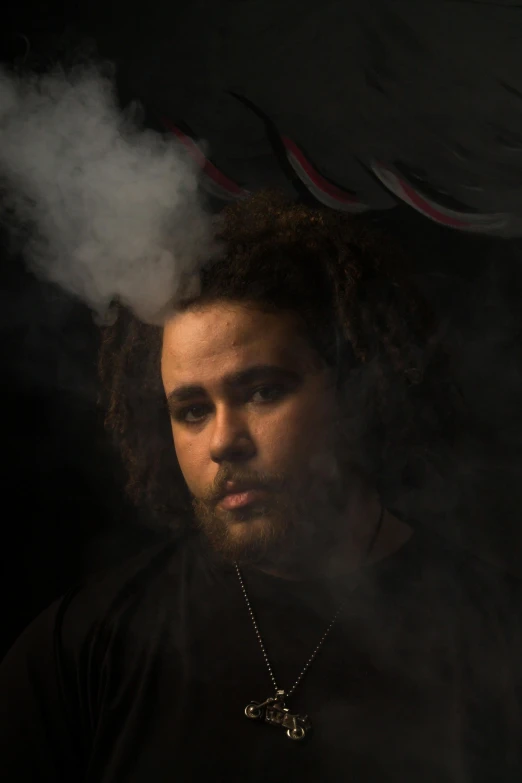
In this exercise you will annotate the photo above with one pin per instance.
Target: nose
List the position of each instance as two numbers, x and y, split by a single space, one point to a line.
231 440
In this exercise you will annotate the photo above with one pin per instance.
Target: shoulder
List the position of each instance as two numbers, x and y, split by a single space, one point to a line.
106 598
436 553
113 597
435 571
478 593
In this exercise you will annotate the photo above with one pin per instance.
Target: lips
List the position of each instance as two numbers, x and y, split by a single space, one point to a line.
238 497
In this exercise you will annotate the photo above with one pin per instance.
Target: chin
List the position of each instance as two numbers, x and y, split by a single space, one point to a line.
251 531
252 539
246 537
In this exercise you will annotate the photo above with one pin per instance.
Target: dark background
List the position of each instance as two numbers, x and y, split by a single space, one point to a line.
64 513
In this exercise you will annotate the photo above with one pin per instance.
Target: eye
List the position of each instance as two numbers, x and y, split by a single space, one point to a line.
192 415
268 393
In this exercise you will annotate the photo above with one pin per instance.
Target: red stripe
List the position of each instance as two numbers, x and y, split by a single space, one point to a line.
332 190
425 207
208 167
476 222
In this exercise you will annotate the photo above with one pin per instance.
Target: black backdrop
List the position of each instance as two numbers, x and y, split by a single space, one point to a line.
64 513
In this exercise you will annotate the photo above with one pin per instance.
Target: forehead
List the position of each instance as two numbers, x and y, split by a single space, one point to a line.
210 341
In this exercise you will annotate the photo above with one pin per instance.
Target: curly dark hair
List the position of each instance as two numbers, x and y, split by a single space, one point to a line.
349 283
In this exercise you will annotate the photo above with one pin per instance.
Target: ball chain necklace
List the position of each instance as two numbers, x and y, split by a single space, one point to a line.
274 710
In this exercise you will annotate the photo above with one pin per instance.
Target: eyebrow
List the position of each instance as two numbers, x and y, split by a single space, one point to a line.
235 380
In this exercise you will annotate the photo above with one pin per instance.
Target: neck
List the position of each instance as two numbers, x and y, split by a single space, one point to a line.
363 539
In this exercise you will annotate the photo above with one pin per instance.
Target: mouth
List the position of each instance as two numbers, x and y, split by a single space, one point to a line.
241 498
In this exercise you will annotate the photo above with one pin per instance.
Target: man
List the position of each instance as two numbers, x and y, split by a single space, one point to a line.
292 627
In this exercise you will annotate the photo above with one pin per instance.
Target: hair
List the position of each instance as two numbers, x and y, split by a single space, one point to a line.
349 284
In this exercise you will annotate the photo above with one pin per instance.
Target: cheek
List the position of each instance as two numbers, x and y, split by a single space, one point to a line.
191 460
294 435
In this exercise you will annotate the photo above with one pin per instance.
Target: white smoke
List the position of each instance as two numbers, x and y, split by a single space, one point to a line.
95 203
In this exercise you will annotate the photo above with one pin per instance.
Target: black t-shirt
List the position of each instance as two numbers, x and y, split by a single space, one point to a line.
143 675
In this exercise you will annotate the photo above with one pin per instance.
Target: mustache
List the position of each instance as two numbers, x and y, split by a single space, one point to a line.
241 476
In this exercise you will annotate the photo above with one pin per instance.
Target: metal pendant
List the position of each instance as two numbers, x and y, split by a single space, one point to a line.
274 711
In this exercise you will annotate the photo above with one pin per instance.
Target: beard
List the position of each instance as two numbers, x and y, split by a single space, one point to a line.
248 535
295 523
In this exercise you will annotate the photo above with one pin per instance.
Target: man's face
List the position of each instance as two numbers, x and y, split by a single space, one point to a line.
253 413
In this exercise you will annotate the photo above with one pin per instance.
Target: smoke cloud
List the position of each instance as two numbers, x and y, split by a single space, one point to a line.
93 201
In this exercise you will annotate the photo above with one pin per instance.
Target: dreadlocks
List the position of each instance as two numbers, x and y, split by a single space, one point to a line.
349 284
